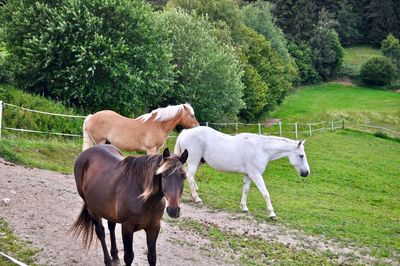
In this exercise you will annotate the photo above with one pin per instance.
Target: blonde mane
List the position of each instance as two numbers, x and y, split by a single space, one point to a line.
166 113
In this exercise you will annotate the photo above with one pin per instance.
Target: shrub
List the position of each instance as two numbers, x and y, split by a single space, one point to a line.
93 54
208 73
378 71
390 47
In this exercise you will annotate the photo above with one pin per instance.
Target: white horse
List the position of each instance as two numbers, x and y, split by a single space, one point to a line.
244 153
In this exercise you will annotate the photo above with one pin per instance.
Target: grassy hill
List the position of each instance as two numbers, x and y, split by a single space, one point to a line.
335 101
355 57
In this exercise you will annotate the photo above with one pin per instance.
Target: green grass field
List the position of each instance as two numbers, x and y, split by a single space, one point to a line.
334 101
355 57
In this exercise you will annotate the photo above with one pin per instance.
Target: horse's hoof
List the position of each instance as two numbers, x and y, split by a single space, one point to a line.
245 211
199 201
116 262
272 217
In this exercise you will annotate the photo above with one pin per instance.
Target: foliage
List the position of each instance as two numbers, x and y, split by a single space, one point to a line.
304 58
348 24
269 65
325 43
258 17
92 54
378 71
291 18
208 74
382 20
390 47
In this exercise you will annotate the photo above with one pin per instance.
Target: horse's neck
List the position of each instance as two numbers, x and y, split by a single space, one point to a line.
278 148
168 125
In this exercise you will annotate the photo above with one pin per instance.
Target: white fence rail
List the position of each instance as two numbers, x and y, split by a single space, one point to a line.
278 128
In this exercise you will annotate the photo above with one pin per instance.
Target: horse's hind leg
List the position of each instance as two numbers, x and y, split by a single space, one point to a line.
191 172
102 236
151 236
114 250
127 239
246 187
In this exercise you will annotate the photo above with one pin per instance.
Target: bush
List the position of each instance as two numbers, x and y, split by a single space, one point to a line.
390 47
208 73
94 54
378 71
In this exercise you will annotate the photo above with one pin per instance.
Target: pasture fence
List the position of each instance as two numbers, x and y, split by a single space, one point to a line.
277 128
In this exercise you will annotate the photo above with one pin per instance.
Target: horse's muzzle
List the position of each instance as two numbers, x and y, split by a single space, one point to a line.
304 173
173 212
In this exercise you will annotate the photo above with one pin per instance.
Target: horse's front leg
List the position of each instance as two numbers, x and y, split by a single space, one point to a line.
259 181
246 187
127 239
151 236
114 250
102 236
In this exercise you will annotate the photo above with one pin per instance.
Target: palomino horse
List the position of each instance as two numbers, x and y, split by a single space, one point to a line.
244 153
130 191
145 133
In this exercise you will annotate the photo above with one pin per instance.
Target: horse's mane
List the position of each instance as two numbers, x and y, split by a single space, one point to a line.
290 141
166 113
144 169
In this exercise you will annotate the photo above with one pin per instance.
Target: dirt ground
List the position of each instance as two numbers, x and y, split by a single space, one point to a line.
44 204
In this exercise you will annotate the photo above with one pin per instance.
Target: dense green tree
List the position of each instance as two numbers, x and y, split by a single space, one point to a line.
258 17
93 54
381 20
349 24
297 18
326 45
304 58
208 73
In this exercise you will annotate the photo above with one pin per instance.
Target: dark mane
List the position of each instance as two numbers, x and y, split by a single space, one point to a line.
143 170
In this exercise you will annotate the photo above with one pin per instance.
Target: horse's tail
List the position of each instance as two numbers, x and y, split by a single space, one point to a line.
85 226
87 138
177 148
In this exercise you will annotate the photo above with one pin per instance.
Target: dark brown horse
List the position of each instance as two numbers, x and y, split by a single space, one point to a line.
130 191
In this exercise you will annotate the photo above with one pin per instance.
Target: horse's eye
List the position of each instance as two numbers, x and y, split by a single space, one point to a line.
301 156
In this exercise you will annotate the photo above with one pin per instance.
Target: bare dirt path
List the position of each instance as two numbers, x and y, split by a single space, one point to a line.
44 204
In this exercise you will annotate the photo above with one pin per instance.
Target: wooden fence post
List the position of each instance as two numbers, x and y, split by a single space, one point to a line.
332 126
280 128
259 129
343 124
295 126
309 127
206 124
1 115
236 127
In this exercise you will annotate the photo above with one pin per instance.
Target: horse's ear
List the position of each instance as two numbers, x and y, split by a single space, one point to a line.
166 153
184 156
301 142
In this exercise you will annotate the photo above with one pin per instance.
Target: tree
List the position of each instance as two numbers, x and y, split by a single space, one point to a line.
208 72
349 23
381 20
92 54
390 47
326 45
296 18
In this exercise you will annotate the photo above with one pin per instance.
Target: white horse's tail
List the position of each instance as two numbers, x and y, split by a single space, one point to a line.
87 139
177 149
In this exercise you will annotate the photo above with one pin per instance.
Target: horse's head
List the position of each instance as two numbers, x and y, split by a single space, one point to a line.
172 177
298 159
187 118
